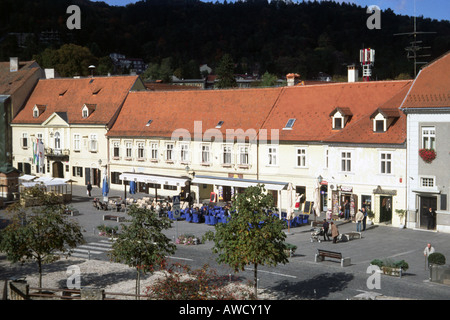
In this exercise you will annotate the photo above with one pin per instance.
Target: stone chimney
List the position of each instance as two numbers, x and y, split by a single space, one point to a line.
292 79
13 64
352 73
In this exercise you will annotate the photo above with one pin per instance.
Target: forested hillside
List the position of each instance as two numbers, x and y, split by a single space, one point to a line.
307 37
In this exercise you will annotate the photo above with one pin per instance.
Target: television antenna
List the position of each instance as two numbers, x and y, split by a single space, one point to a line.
413 51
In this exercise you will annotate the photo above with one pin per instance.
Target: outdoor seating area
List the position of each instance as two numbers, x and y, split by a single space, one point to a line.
206 214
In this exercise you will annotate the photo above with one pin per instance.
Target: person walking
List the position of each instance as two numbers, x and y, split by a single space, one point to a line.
347 210
364 211
325 227
89 188
359 218
334 232
431 214
429 249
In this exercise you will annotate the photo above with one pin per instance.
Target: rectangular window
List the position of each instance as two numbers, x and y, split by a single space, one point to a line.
429 137
154 150
337 123
386 163
301 157
40 137
115 178
169 152
141 150
24 140
226 154
77 171
346 161
76 142
243 155
427 182
379 125
184 152
128 150
116 150
205 154
167 187
93 143
272 156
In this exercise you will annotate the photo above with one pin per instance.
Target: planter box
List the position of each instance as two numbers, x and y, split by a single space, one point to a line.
396 272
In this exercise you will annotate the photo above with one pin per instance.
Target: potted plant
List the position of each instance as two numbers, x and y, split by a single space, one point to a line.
436 258
289 249
427 155
401 213
390 267
370 216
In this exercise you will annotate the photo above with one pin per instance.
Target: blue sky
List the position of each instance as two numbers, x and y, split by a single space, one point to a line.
435 9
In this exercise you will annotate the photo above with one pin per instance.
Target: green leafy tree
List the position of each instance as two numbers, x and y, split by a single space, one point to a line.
38 233
162 71
142 244
252 236
268 80
225 73
69 60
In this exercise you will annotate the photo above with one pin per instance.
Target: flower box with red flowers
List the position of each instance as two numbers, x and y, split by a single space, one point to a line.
428 155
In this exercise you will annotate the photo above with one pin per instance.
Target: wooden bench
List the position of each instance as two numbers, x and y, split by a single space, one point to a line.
112 217
321 254
72 212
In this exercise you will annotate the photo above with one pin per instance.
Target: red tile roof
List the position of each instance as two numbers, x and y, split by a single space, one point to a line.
311 106
238 109
69 95
431 88
361 130
268 108
11 81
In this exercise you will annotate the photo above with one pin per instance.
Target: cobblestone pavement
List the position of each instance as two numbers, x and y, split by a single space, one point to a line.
302 277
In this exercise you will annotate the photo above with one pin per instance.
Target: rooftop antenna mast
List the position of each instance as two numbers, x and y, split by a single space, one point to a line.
415 47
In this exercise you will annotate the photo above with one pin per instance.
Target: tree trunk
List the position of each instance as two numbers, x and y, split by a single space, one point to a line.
138 282
40 271
255 280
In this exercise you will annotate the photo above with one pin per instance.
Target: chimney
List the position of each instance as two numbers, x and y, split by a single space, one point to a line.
292 79
13 64
49 73
352 73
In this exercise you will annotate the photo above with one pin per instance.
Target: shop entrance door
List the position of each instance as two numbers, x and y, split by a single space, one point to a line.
385 208
425 204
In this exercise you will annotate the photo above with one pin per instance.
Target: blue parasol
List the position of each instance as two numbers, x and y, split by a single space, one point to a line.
105 189
132 187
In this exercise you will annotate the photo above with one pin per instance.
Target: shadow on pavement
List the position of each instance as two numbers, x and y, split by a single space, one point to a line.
318 287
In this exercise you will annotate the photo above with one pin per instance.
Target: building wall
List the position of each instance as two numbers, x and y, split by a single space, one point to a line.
365 175
81 157
437 170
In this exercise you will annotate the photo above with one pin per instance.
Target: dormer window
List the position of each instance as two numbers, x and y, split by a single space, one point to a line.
38 110
87 110
340 117
337 123
383 118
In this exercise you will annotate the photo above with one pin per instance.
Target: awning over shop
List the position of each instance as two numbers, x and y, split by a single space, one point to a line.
239 183
30 181
153 178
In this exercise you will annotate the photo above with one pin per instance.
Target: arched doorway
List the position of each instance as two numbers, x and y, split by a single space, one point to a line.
57 169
